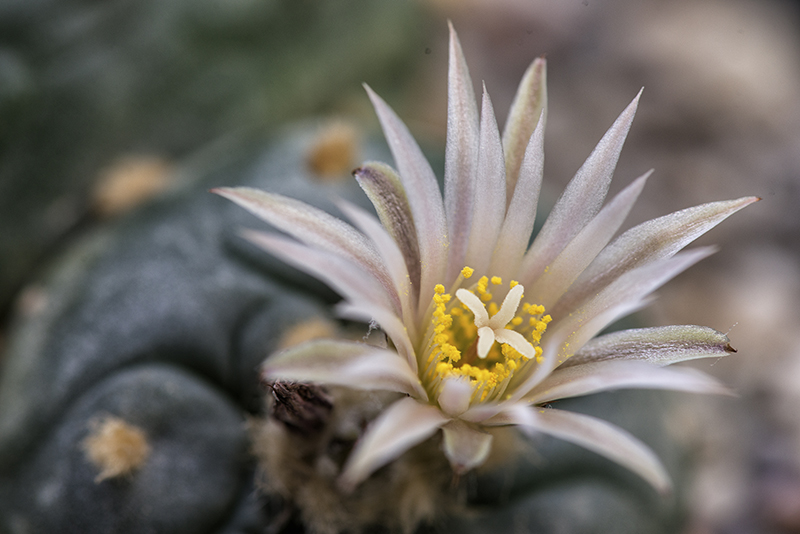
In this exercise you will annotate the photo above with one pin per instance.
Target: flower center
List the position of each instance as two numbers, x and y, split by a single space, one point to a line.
475 338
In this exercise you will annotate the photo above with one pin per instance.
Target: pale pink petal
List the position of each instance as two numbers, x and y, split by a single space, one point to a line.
386 192
591 378
662 345
454 396
343 363
647 242
402 425
489 204
423 196
517 227
580 252
465 446
345 277
528 109
390 323
311 226
461 155
581 199
596 435
392 256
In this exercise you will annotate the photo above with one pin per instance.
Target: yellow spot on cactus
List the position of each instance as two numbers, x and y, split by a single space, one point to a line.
115 447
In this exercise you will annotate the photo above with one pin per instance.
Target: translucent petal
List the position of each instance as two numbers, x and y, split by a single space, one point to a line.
465 446
461 155
662 345
581 199
593 434
402 425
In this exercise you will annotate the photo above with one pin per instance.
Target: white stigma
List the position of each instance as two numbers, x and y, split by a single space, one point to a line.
494 328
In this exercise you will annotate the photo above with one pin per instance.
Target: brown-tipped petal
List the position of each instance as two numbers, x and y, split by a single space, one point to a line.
465 447
343 363
392 256
660 345
402 425
423 194
595 377
582 198
386 192
648 242
461 155
593 434
528 109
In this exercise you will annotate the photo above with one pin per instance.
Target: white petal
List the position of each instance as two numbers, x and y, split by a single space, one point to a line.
581 199
489 206
515 234
660 345
591 378
423 195
516 340
461 155
342 363
508 309
454 396
404 424
346 278
471 301
580 252
596 435
464 446
386 192
485 341
647 242
528 112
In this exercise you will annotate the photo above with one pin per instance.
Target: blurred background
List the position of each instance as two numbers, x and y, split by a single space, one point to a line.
101 101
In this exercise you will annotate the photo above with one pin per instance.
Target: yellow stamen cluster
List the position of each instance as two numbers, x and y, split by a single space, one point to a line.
451 346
